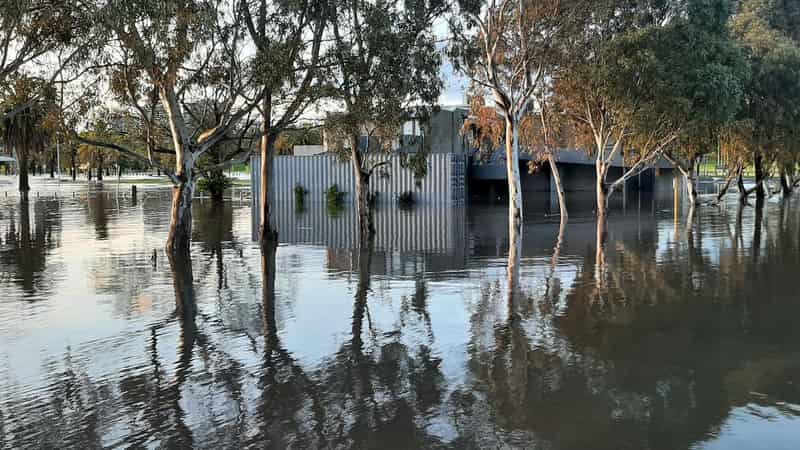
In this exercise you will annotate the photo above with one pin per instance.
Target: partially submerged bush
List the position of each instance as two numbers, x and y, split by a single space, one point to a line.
300 198
334 200
406 199
214 185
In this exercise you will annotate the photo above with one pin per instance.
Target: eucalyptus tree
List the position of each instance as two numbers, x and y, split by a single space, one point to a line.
506 47
632 89
169 52
383 70
767 31
29 30
708 78
287 37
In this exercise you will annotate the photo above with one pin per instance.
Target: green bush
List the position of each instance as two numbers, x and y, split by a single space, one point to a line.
300 198
334 201
214 185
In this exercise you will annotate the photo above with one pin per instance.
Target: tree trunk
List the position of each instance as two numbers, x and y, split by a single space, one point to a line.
180 226
600 250
361 177
513 175
562 200
690 176
786 185
266 231
22 169
99 170
52 166
722 192
758 162
742 189
73 166
602 193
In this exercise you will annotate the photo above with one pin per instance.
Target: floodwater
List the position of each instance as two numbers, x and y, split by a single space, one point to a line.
673 336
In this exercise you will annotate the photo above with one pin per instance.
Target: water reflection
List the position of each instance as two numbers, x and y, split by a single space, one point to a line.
644 333
27 243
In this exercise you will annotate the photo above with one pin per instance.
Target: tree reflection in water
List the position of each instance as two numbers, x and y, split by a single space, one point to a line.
27 242
644 338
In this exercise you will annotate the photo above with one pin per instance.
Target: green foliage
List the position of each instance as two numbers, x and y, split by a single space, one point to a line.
384 60
687 75
214 184
334 201
300 198
767 31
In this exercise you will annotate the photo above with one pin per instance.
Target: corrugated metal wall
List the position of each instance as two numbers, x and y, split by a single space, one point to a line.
444 184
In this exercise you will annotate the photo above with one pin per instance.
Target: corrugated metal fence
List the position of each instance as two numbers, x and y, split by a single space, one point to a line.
444 186
445 182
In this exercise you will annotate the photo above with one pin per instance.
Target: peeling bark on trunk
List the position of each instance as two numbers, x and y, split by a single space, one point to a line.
180 226
562 200
602 195
361 177
266 230
513 174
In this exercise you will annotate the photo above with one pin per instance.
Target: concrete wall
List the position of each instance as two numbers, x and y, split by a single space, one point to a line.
446 131
308 150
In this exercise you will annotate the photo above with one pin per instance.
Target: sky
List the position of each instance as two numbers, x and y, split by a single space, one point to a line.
455 84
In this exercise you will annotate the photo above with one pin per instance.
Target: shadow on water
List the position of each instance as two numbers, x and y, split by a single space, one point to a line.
441 332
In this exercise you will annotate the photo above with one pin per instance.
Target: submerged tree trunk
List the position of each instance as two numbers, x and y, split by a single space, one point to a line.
22 169
602 193
266 231
690 177
562 200
361 177
180 226
513 174
99 169
758 163
600 251
73 165
786 183
741 187
735 174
